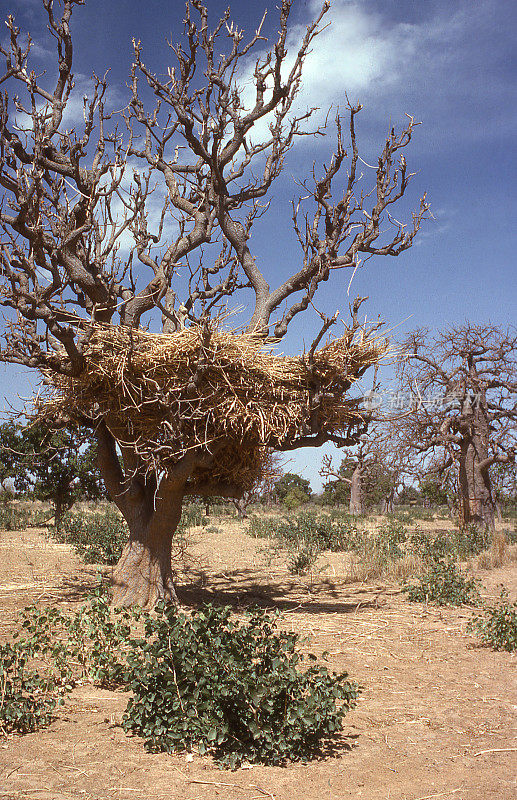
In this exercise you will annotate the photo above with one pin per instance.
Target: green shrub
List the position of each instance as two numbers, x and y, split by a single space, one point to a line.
230 689
303 558
13 518
391 536
92 642
307 529
443 584
459 543
295 498
27 699
98 538
496 625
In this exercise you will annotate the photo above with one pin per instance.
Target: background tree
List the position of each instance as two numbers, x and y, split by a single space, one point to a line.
56 466
433 491
292 490
461 387
207 151
373 470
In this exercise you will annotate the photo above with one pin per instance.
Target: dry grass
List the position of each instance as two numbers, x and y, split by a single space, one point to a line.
167 394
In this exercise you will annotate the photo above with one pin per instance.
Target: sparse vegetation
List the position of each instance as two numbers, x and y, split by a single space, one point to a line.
444 584
496 626
27 698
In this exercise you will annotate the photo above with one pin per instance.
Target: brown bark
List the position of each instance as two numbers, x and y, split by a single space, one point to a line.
356 492
143 574
477 505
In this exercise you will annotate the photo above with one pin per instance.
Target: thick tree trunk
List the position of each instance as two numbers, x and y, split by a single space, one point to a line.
356 491
143 574
152 509
241 506
476 501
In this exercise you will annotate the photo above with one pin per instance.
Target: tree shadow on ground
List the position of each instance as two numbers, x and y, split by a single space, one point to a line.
241 590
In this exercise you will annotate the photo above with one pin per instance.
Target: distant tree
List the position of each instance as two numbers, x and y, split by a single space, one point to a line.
292 490
336 492
504 484
461 389
55 465
409 495
433 491
373 469
9 441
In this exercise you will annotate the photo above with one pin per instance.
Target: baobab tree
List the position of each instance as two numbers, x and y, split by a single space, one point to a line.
461 392
376 465
83 307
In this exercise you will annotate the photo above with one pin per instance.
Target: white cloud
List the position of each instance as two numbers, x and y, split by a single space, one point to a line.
355 51
443 68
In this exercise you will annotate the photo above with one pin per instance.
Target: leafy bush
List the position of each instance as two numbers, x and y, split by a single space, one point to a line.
496 625
230 689
459 543
295 498
443 584
391 536
98 538
303 558
13 518
92 642
27 698
307 530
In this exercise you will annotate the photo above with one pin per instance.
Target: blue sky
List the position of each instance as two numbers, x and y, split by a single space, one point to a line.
450 65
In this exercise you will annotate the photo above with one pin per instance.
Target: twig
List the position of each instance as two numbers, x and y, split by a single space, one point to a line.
217 783
440 794
234 786
497 750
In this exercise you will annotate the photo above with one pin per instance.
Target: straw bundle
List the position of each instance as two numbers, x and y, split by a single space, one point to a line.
165 394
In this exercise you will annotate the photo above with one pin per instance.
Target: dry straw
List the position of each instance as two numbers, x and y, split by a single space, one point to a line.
166 394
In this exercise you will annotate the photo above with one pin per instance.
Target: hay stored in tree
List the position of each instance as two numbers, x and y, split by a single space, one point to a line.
165 395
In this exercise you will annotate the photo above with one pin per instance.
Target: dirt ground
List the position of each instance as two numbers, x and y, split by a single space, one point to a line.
436 718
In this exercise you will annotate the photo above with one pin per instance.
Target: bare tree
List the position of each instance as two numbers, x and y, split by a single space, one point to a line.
362 457
461 387
379 457
74 197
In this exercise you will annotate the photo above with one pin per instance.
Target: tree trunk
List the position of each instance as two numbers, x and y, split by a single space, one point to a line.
476 500
356 493
241 505
59 511
143 574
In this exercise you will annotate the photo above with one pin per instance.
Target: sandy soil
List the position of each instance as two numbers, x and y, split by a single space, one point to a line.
436 718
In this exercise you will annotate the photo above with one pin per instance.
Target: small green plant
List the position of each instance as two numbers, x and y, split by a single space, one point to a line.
443 584
392 536
232 689
459 543
303 559
27 698
92 643
13 518
98 538
496 625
